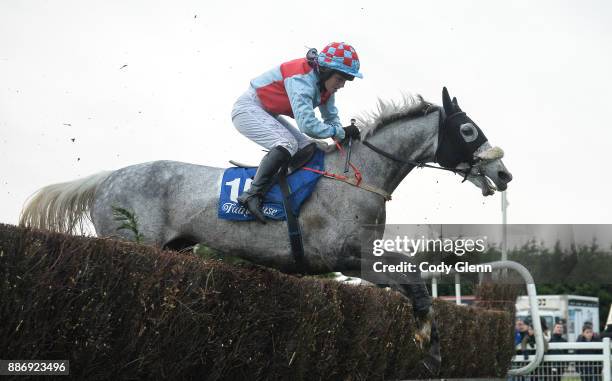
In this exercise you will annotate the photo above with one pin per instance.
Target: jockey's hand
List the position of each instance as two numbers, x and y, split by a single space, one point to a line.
351 132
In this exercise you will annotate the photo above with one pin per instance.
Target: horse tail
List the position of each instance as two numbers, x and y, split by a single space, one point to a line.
63 207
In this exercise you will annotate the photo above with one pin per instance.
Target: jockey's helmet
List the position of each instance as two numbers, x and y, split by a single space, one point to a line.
341 57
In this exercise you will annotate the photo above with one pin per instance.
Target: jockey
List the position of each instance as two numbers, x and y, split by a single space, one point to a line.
293 89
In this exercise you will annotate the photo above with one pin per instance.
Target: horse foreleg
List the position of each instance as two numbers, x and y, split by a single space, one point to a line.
427 331
411 286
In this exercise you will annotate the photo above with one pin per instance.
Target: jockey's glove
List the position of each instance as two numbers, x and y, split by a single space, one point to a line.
351 132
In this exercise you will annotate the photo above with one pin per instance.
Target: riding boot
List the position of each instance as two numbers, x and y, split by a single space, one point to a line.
269 166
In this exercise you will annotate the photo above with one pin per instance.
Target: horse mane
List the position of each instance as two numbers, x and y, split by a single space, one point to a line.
388 112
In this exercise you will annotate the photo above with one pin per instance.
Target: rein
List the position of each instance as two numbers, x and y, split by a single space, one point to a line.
420 164
357 182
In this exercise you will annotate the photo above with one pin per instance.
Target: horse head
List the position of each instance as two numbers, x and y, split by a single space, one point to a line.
462 145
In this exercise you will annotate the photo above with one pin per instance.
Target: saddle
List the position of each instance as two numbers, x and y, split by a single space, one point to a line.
301 182
294 192
298 160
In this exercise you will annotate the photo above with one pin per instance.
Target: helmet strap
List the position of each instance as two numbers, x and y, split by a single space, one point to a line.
312 58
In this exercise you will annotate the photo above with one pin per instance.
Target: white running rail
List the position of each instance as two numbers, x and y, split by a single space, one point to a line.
535 360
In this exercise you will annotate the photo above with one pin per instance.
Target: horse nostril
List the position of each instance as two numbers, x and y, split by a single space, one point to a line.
504 176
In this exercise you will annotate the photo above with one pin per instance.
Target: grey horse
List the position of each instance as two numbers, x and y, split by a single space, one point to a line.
176 203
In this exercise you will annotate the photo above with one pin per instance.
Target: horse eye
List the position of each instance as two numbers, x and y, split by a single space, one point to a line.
469 132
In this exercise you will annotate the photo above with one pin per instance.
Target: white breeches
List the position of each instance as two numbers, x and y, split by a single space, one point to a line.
265 129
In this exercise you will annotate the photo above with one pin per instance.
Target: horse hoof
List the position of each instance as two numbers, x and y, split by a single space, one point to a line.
433 358
422 335
420 341
433 363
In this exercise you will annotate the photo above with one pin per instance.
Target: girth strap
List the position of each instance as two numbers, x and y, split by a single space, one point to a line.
293 225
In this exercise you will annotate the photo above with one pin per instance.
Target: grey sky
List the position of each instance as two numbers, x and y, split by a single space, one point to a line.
534 75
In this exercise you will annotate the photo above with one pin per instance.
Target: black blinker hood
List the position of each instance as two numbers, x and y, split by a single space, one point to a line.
452 147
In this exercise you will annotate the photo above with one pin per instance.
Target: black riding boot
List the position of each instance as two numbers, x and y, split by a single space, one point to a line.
270 164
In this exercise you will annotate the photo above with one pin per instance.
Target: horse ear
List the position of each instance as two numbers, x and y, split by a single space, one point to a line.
447 103
456 104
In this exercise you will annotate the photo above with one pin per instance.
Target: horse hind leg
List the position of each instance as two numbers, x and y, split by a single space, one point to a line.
181 243
151 226
150 236
109 225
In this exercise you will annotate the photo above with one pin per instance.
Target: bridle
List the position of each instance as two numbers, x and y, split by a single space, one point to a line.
473 162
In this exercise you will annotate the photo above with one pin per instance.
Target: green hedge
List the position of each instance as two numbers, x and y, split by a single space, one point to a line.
122 310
